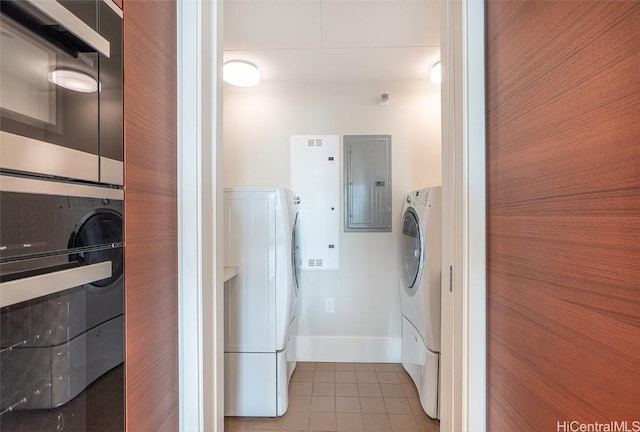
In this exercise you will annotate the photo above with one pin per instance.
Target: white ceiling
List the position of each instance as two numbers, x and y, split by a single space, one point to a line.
334 40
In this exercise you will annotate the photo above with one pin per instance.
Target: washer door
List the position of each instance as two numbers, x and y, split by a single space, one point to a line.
411 250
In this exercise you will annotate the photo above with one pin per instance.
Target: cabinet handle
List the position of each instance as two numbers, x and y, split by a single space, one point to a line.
20 290
75 25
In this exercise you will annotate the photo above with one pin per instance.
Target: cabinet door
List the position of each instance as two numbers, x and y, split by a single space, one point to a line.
151 227
111 103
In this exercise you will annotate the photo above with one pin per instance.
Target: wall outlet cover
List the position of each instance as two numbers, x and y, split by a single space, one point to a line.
330 305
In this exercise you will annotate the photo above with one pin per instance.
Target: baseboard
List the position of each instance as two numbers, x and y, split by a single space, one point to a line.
348 349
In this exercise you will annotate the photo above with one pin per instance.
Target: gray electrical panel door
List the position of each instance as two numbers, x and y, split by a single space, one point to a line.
367 183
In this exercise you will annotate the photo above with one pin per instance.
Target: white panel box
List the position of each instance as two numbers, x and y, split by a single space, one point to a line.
315 176
249 245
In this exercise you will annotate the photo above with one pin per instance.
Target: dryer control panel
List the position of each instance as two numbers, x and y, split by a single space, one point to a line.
420 197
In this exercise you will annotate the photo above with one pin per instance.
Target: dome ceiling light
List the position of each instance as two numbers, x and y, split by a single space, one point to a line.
240 73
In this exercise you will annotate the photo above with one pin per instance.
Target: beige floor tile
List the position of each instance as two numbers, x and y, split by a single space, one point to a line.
346 389
426 423
385 367
299 403
388 377
302 376
272 430
324 389
346 397
305 366
300 389
346 377
402 423
392 390
397 406
325 367
372 405
345 367
416 407
410 391
366 377
348 404
324 376
404 378
295 421
271 424
323 404
349 422
369 390
325 422
240 423
376 423
364 367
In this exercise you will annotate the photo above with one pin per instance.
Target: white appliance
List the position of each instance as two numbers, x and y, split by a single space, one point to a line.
420 278
260 302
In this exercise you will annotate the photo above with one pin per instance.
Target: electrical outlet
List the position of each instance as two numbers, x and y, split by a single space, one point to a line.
329 305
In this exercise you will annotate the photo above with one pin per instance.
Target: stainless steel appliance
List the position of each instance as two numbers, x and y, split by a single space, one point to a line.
61 216
61 89
61 299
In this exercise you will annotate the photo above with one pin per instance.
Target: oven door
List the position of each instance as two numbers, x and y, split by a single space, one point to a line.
49 88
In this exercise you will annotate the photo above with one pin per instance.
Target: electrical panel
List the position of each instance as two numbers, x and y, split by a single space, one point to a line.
367 183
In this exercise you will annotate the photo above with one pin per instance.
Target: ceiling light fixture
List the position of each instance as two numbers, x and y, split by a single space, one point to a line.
436 73
240 73
75 80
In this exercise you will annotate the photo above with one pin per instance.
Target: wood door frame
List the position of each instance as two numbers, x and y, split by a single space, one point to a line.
464 329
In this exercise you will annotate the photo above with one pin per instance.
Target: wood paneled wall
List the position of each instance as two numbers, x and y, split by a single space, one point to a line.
563 151
151 241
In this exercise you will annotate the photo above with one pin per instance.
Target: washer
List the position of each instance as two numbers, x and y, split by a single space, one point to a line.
261 301
420 280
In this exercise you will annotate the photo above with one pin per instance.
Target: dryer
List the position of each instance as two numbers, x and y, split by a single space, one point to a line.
420 285
260 302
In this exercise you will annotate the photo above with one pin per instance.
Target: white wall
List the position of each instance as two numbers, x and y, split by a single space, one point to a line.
258 122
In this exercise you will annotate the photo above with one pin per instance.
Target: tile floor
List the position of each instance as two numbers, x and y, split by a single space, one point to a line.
346 397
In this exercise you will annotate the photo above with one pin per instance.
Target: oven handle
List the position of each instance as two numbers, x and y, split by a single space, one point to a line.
20 290
75 25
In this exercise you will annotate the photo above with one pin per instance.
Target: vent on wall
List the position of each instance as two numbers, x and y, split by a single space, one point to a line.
314 142
315 262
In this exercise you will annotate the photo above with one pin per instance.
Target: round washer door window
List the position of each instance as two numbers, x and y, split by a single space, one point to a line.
410 251
100 228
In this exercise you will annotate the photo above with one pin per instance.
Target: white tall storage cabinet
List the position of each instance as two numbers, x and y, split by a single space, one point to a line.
260 302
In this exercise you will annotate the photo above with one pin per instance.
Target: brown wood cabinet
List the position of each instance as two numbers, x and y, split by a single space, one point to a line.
151 240
563 152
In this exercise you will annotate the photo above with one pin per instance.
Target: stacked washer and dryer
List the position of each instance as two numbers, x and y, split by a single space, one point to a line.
260 302
420 280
